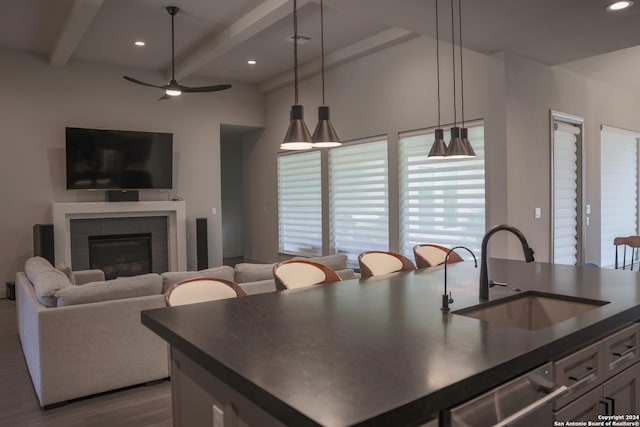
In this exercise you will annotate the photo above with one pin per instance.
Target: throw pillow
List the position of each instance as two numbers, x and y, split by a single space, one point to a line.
336 262
67 272
249 272
125 287
172 277
48 283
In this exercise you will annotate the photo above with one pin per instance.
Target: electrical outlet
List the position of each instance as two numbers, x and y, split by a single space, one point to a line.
218 417
214 211
587 209
537 213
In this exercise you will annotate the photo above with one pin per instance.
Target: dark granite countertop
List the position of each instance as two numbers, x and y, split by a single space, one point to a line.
380 350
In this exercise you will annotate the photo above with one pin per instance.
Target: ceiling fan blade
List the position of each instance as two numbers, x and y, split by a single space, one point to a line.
165 96
205 88
132 80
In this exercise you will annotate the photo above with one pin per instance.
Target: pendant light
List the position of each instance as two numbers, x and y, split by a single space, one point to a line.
460 146
439 147
325 135
297 136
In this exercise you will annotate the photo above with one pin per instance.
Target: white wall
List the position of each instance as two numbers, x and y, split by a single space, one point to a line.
38 101
387 92
531 91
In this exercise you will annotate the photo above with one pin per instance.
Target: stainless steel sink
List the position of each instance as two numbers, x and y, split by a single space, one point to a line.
531 310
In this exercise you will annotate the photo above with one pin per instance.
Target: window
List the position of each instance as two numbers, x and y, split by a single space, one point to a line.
567 189
618 189
300 204
441 201
358 194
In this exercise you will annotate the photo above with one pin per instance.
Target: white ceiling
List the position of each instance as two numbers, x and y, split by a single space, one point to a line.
215 38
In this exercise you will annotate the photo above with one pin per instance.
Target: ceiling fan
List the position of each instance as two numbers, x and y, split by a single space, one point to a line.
174 88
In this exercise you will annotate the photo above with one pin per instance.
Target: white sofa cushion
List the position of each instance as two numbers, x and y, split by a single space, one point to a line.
249 272
172 277
47 284
121 288
335 262
36 265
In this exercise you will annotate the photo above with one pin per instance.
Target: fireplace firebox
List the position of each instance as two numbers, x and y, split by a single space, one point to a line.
121 255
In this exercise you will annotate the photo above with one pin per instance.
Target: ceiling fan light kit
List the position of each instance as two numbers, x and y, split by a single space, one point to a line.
619 5
174 88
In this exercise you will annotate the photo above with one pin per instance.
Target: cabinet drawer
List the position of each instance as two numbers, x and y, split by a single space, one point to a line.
621 349
580 371
587 408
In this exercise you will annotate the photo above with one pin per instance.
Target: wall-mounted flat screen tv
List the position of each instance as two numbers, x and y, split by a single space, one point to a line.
116 159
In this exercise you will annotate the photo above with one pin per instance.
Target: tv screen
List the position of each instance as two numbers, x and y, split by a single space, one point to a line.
117 159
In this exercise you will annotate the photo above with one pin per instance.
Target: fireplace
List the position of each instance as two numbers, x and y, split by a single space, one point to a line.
120 255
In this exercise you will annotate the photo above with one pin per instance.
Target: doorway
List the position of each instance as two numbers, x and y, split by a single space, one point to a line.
232 140
567 228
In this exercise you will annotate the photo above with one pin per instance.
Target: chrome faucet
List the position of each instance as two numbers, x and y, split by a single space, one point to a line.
447 299
485 283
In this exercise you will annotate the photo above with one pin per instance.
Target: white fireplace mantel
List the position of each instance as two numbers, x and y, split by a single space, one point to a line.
63 213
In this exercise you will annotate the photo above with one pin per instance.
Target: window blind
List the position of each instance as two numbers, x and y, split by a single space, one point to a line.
618 189
358 198
565 194
300 204
441 201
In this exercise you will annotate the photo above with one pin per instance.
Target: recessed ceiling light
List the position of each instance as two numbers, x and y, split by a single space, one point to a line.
619 5
252 62
139 43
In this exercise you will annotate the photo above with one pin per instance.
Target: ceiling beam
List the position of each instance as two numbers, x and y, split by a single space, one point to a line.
356 50
78 19
266 14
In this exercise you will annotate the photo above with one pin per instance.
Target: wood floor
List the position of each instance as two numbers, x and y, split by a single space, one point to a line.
136 407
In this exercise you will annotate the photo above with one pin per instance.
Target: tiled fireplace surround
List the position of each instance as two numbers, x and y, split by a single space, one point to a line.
82 229
166 221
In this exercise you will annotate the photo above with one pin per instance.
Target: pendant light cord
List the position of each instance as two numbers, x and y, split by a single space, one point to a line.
322 46
438 60
461 69
453 54
295 49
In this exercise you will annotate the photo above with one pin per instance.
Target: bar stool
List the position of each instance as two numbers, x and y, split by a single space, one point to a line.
374 263
429 255
202 289
631 241
300 273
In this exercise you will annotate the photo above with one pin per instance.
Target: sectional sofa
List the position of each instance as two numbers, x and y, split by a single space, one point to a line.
82 335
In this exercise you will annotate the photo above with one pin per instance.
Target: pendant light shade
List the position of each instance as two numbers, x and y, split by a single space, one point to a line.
439 147
297 136
463 149
457 148
464 136
325 135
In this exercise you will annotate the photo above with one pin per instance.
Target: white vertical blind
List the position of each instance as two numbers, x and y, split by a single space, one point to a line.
441 201
358 194
618 189
300 203
565 194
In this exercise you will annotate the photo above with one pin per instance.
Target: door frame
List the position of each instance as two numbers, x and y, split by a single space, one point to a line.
557 116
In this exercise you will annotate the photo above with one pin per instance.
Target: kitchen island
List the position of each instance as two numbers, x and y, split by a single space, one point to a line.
375 351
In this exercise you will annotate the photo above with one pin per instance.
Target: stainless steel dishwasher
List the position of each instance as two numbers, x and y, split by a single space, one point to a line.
525 401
